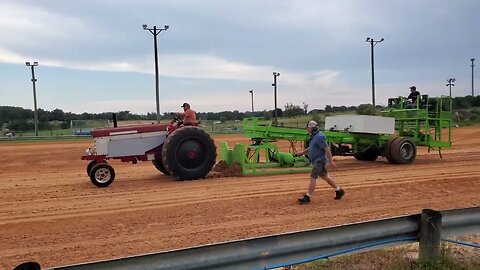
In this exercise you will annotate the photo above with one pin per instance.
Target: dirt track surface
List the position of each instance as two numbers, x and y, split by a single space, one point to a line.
51 213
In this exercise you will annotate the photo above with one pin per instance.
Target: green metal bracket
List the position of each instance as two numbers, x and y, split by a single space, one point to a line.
424 120
253 162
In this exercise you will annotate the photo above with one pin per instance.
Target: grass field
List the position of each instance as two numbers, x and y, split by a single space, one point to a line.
400 258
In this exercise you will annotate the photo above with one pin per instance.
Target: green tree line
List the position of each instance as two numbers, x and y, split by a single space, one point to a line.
18 118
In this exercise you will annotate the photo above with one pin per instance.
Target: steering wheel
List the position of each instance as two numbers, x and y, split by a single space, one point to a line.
176 119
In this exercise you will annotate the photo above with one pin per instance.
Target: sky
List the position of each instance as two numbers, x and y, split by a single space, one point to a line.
94 55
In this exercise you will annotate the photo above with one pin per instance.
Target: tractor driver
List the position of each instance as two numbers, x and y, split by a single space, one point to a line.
189 115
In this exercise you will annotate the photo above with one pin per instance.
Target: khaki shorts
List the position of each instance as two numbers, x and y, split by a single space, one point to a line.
318 169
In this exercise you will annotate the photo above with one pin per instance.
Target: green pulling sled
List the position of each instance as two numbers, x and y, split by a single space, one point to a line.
395 135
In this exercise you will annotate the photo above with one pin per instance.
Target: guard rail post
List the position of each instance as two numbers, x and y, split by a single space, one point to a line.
430 234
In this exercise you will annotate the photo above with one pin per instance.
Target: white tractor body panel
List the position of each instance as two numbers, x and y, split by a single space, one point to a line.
361 124
129 144
101 145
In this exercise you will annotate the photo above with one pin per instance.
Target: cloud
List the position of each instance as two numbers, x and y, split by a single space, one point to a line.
32 26
10 57
224 48
190 66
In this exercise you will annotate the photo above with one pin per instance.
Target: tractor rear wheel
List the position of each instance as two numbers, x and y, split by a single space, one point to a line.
403 150
189 153
102 175
159 165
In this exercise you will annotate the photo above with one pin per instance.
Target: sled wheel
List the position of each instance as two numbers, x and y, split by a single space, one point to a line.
370 154
388 151
403 150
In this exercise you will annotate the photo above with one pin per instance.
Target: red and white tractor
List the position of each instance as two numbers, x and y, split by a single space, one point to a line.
185 152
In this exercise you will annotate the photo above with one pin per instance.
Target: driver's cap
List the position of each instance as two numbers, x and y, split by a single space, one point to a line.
312 124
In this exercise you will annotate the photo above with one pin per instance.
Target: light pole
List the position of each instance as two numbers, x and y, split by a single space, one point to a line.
274 84
155 31
450 84
473 88
251 92
372 44
35 113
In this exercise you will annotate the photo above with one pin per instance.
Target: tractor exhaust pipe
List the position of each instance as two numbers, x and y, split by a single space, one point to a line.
114 117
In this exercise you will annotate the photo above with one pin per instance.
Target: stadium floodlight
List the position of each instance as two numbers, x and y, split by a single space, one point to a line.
450 83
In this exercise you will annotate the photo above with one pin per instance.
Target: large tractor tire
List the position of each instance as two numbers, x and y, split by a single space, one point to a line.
159 165
189 153
102 175
403 150
157 162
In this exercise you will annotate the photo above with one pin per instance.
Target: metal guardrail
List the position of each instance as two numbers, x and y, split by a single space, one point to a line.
43 138
297 247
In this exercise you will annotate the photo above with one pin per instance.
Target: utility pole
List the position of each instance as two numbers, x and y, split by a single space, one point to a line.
251 92
275 75
35 112
372 44
155 31
473 88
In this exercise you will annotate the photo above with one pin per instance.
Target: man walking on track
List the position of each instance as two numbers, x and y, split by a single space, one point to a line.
320 155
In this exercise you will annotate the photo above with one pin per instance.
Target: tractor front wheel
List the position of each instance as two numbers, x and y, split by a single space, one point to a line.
102 175
90 166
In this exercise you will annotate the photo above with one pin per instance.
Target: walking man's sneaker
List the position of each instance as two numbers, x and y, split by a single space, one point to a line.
339 194
304 200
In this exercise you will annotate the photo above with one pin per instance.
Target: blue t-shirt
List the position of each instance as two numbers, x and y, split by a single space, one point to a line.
316 148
